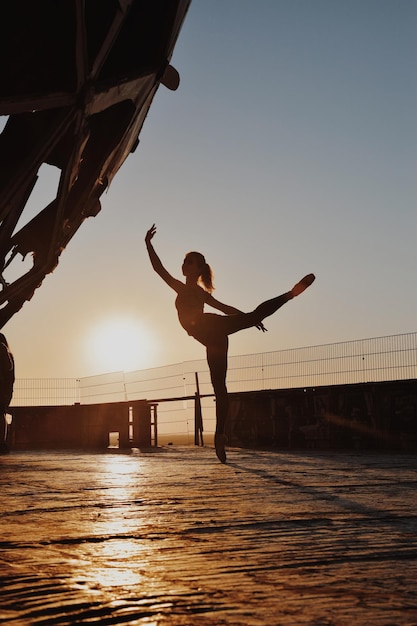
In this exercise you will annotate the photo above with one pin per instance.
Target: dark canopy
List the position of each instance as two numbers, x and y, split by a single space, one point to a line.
77 79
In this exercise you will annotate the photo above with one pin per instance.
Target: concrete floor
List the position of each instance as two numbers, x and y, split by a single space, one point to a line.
175 537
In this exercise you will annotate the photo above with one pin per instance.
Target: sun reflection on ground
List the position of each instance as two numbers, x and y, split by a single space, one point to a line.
114 563
116 577
116 555
119 470
121 564
120 477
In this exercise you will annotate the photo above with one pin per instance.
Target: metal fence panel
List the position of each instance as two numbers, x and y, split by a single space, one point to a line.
365 360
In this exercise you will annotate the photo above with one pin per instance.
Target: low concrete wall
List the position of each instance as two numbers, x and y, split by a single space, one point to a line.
81 426
380 416
367 415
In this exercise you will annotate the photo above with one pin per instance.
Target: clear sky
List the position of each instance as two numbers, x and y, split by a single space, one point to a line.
290 147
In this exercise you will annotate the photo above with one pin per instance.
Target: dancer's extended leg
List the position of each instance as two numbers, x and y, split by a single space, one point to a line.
234 323
271 306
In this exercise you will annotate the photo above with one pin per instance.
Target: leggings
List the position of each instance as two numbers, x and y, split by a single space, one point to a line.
213 332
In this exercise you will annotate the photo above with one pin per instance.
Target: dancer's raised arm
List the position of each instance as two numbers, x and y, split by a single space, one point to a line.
157 264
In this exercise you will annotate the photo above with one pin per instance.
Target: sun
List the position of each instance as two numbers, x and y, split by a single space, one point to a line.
120 343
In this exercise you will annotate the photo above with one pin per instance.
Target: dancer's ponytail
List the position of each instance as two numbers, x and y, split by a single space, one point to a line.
206 275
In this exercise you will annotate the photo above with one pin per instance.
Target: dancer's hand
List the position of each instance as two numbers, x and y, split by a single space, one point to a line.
262 328
150 234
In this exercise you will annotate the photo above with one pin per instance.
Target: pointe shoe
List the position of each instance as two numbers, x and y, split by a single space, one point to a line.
219 444
303 284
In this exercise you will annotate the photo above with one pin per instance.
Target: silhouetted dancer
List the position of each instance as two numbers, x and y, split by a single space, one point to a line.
6 388
211 329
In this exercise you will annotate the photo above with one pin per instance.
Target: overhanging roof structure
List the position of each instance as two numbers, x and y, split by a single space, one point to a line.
77 79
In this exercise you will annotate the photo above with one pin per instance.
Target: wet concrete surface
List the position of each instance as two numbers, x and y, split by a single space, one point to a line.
175 537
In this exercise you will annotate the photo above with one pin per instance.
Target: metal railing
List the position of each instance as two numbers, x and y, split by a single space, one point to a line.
366 360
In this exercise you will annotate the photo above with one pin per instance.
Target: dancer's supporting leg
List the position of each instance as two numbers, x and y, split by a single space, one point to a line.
217 361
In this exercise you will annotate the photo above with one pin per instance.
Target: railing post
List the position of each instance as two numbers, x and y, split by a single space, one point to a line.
198 416
154 424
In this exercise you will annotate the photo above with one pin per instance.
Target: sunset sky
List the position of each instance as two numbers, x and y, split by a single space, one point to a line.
290 147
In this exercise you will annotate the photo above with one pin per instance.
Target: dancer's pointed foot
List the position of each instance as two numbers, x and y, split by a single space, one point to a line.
219 443
303 284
